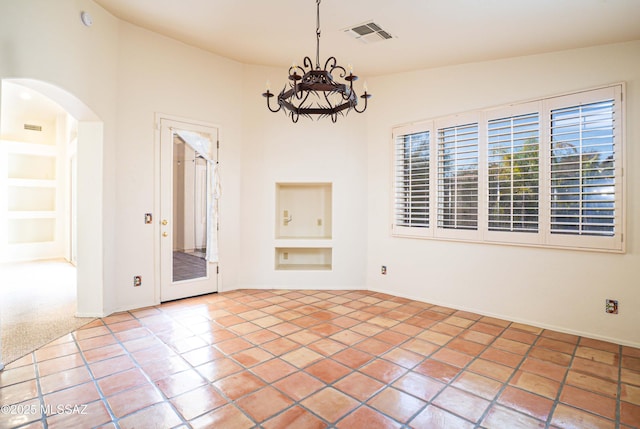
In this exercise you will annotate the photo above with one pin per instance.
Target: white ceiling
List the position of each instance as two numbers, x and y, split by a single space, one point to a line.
427 33
21 105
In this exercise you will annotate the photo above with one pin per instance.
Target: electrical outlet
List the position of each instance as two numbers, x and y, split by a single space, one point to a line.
137 281
611 306
383 270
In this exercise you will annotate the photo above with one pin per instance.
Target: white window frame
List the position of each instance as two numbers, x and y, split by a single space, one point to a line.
509 236
404 231
588 241
457 234
543 237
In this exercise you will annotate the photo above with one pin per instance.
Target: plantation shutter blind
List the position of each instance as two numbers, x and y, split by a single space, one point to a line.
458 177
583 169
545 172
412 169
513 162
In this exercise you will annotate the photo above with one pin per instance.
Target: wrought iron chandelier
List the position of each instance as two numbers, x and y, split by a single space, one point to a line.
330 97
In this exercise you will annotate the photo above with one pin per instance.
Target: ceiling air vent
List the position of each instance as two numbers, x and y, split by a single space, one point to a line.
369 32
32 127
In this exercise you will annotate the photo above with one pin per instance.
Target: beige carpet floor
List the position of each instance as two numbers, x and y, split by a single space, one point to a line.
37 305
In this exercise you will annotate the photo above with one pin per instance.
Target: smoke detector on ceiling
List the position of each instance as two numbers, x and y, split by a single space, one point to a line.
86 18
368 32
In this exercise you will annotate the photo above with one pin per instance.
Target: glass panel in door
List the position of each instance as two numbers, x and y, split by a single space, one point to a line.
187 158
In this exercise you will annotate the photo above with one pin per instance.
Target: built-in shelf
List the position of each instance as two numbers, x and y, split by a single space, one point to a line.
32 188
31 230
14 147
29 166
32 183
303 229
303 258
31 199
31 215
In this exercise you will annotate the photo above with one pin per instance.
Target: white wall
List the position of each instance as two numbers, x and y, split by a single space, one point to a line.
560 289
277 150
258 148
44 41
160 75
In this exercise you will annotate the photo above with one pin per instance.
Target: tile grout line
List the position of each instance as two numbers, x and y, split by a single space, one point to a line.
101 395
430 356
211 383
547 423
228 400
505 384
115 419
41 395
36 370
244 368
427 357
352 370
618 421
302 369
405 369
381 357
460 372
166 400
424 359
556 400
374 357
324 357
85 364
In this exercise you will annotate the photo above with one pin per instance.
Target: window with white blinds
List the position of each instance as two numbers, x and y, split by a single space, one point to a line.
512 173
411 200
546 172
458 177
583 179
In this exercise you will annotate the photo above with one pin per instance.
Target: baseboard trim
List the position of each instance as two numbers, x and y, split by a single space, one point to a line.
516 320
94 315
283 287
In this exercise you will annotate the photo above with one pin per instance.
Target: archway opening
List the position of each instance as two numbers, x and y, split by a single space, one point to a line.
51 212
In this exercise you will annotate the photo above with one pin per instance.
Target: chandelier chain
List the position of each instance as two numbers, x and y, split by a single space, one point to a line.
318 35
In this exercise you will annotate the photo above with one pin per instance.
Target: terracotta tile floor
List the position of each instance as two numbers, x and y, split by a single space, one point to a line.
316 359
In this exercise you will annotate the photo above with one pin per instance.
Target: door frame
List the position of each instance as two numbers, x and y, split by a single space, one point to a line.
157 209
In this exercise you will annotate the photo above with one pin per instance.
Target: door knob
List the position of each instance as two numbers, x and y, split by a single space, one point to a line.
165 234
164 221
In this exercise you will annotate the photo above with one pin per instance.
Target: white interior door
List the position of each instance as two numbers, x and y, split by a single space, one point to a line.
187 156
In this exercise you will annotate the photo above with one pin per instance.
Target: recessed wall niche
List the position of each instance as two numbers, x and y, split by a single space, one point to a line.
303 210
303 229
303 258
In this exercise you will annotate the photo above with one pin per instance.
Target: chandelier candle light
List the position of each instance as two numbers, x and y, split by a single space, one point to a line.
333 98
